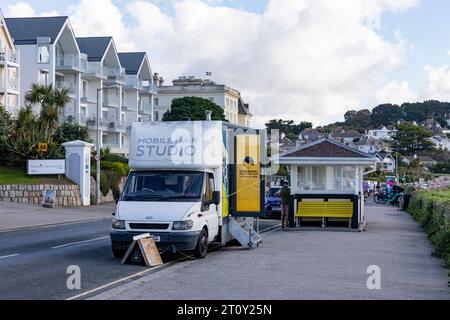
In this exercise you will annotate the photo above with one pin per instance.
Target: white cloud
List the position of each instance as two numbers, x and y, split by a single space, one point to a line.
438 83
306 60
301 59
100 18
395 92
24 9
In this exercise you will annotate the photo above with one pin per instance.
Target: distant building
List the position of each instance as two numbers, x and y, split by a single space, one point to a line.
423 160
236 110
382 133
368 145
310 135
346 136
441 142
386 162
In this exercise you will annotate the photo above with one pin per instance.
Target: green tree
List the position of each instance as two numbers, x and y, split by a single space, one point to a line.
288 127
6 123
386 114
411 139
357 120
71 132
193 108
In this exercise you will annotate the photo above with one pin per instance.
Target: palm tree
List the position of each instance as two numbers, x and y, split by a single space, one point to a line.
51 101
26 120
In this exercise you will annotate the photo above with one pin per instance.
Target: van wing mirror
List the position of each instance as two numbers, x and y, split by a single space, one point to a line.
216 197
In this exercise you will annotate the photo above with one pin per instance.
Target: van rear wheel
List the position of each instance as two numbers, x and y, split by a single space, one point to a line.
202 245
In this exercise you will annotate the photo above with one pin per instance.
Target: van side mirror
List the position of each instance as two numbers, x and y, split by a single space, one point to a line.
216 197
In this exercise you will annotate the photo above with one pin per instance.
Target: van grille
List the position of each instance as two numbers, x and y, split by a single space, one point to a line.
149 226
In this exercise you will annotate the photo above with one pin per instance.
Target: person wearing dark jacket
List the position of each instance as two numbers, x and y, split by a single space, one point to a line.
284 194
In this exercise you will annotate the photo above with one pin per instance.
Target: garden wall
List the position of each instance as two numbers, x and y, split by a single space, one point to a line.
109 197
66 195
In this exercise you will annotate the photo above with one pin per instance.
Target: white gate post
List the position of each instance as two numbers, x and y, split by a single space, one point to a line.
78 167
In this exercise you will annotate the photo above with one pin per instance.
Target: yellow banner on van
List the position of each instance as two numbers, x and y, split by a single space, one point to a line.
248 174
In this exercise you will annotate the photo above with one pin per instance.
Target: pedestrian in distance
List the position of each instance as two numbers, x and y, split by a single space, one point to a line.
284 194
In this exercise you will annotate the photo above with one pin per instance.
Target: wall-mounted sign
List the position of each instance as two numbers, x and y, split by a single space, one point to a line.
49 198
39 167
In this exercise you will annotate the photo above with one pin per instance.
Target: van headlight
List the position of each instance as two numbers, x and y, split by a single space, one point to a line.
183 225
118 224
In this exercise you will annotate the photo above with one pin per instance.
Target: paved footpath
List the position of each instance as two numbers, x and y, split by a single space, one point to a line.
15 216
308 265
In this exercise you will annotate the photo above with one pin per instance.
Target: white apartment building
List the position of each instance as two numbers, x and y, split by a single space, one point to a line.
138 90
103 79
91 68
382 133
49 55
236 111
9 70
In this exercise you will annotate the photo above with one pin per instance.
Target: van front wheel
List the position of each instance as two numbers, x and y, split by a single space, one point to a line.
202 245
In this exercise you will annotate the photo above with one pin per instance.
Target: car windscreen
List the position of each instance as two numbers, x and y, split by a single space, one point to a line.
163 186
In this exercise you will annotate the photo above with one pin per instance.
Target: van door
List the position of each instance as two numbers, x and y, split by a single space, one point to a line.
210 210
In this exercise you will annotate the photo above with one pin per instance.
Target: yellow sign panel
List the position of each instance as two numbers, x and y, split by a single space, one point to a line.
42 147
248 174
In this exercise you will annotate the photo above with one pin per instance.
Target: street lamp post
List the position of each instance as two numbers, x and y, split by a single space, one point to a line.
97 158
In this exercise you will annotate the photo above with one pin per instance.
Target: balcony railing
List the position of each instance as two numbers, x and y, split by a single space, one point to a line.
13 84
115 74
135 83
65 85
146 108
68 61
92 123
9 56
96 70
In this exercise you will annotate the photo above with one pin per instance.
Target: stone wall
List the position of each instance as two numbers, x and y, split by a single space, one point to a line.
109 197
66 195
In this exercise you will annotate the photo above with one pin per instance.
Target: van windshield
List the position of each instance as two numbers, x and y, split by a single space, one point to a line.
163 186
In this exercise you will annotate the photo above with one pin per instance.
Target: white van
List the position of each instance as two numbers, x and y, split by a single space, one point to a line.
179 187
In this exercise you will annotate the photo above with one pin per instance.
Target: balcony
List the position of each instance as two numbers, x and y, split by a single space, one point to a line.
148 87
9 57
66 85
69 63
145 108
111 101
128 108
133 84
116 126
91 123
94 71
12 85
114 75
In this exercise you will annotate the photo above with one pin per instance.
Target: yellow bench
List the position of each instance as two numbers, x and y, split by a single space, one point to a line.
324 209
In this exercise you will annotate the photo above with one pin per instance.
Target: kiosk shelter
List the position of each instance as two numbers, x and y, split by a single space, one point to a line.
326 179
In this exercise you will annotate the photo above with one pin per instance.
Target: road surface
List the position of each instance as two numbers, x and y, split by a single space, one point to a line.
33 263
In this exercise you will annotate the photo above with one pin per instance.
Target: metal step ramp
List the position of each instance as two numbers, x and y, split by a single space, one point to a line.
244 233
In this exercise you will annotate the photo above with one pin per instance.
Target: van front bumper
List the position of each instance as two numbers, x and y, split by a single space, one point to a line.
185 241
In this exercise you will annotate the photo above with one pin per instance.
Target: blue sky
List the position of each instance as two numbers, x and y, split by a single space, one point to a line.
419 70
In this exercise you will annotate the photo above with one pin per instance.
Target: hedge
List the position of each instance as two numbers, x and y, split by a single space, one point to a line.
121 168
432 211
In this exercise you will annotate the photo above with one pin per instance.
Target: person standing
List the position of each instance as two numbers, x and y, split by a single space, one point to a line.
284 194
